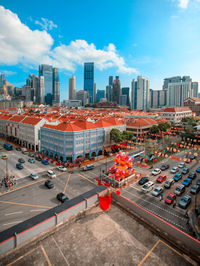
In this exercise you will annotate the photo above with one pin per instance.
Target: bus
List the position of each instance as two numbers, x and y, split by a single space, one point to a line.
8 146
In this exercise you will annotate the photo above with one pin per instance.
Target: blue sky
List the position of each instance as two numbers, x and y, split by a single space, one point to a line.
153 38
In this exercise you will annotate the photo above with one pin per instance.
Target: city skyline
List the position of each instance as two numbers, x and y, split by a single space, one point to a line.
138 45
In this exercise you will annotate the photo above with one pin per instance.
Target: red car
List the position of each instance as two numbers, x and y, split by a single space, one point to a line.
170 198
187 160
161 178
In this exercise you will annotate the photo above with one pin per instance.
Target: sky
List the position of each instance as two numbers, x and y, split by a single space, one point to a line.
153 38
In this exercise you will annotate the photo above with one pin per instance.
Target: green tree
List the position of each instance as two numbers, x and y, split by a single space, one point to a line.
163 126
127 135
115 135
154 129
189 132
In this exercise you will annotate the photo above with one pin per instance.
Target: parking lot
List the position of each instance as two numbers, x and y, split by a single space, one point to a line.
174 215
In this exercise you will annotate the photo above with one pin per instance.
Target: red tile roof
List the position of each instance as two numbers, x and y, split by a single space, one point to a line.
17 118
31 120
176 109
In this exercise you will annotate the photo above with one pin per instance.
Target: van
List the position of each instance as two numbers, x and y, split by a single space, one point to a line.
51 174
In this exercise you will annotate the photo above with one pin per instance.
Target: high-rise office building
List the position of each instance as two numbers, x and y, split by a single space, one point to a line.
125 91
2 79
109 89
95 92
140 93
89 80
100 95
34 82
195 89
110 81
41 92
157 98
116 90
51 84
123 99
72 88
56 87
178 90
83 96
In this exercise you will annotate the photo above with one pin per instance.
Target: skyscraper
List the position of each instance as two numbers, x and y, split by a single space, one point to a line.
116 90
83 96
41 92
56 87
125 91
95 93
34 82
100 95
2 79
72 86
178 90
140 93
51 84
109 89
89 80
195 89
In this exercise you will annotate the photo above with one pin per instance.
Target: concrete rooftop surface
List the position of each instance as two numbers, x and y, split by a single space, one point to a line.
108 238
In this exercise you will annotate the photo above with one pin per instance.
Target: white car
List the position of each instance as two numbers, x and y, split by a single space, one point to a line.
148 186
62 168
34 176
181 165
51 174
156 171
174 170
157 191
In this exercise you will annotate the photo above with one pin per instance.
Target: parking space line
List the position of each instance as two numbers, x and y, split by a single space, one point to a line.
7 214
87 179
66 183
15 222
148 253
191 262
24 204
21 257
61 251
45 255
23 187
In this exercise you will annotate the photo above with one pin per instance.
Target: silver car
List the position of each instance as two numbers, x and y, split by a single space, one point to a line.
174 170
157 191
148 186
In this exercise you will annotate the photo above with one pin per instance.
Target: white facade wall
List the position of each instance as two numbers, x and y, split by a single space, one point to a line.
176 116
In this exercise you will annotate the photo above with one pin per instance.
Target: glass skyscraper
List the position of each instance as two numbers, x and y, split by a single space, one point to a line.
51 84
89 80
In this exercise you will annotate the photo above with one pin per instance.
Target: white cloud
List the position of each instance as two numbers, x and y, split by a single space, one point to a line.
46 24
7 72
19 44
183 3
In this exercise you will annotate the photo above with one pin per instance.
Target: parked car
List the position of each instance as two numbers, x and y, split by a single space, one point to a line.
44 162
18 149
179 190
31 160
4 157
174 170
198 182
188 160
62 197
181 165
198 170
39 159
156 171
62 168
195 189
19 166
157 191
192 157
21 160
51 174
164 167
49 184
184 201
34 176
143 180
88 167
148 186
168 183
177 177
192 175
186 182
170 198
185 171
161 178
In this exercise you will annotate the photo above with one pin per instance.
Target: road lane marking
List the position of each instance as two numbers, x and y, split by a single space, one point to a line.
24 204
156 206
7 214
87 179
21 257
191 262
94 174
45 255
61 251
41 210
66 183
13 223
148 253
35 182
